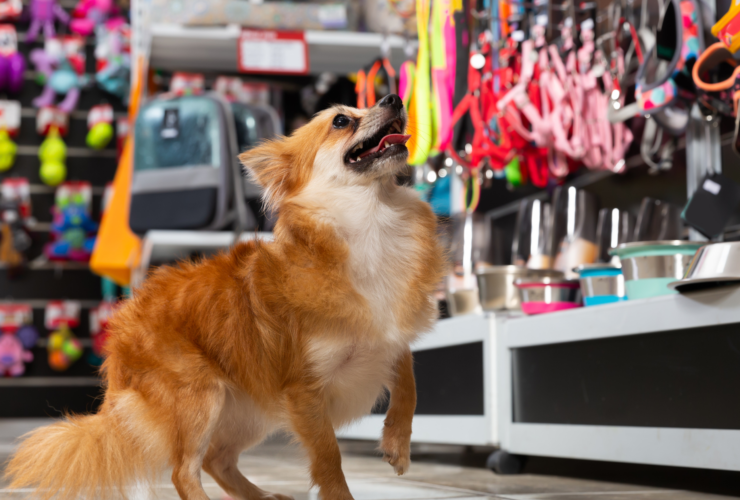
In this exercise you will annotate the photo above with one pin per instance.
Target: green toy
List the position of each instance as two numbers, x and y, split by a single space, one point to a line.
53 153
8 150
100 135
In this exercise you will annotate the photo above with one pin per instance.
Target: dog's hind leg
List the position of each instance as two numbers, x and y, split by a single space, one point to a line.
221 464
197 411
240 427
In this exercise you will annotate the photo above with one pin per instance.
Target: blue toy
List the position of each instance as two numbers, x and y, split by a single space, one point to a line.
73 231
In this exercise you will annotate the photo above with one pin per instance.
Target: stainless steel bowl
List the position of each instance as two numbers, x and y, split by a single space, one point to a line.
599 280
496 285
549 290
712 265
655 259
463 301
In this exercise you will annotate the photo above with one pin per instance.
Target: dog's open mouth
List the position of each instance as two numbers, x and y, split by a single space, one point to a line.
387 141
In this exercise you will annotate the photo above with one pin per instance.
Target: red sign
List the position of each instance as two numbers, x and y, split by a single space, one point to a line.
271 51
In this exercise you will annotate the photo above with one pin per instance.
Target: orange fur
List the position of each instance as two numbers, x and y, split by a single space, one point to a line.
302 333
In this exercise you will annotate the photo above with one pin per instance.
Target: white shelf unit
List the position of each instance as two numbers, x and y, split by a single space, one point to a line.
214 49
479 430
685 447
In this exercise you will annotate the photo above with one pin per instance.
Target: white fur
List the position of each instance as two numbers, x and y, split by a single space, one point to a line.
372 215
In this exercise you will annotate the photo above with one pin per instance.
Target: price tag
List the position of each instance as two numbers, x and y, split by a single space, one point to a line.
270 51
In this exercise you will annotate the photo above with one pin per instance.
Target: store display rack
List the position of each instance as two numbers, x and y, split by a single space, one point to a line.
41 391
214 49
650 381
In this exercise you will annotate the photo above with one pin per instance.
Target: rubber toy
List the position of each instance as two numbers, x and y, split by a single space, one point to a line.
63 348
8 150
58 77
72 231
89 14
100 135
44 13
53 153
13 355
12 67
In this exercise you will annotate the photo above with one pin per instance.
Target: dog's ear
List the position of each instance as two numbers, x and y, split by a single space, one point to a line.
270 165
282 166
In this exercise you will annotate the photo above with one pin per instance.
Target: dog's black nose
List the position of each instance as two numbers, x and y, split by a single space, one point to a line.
391 101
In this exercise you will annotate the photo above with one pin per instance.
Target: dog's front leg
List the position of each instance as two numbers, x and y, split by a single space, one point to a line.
396 442
311 423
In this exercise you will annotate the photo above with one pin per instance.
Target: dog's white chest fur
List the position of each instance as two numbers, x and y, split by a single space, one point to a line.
382 246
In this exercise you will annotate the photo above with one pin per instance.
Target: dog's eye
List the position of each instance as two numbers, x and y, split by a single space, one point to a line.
341 121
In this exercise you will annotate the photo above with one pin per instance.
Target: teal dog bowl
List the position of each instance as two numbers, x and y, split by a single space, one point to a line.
601 284
648 266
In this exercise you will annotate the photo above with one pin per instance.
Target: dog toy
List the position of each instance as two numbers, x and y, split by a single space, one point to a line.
113 56
59 73
44 13
89 14
72 229
99 318
15 238
10 10
12 64
100 125
8 150
17 337
53 153
63 348
13 355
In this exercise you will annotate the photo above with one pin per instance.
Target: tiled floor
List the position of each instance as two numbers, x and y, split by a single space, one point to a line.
280 467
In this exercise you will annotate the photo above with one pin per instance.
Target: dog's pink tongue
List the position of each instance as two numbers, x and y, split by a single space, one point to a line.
386 141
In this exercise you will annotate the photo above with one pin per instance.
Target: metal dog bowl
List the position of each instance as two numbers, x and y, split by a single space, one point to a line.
496 285
649 266
712 265
544 295
601 284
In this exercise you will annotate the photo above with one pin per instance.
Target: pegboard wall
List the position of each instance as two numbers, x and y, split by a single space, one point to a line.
41 391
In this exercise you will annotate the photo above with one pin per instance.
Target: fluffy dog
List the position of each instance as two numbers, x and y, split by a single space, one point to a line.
301 334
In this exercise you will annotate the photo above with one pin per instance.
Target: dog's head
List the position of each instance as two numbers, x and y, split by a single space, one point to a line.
340 146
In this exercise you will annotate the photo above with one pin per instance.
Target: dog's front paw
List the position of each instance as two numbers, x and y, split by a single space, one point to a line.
396 448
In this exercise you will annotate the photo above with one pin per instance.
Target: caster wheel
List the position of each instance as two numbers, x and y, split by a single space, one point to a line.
504 463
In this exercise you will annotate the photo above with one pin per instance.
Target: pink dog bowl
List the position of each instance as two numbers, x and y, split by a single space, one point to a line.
546 295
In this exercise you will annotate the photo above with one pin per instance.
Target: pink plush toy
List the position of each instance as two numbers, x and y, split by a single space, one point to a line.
13 355
92 13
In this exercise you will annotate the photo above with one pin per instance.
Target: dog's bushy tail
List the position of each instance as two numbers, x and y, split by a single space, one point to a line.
90 456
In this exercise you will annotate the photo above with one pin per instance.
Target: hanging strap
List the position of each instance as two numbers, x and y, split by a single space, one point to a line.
361 89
